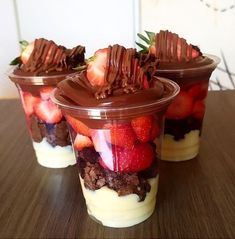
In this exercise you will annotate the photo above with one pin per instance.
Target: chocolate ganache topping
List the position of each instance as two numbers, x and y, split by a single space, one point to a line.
47 58
126 82
173 52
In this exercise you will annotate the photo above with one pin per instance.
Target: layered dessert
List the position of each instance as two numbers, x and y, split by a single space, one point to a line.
186 65
41 65
115 110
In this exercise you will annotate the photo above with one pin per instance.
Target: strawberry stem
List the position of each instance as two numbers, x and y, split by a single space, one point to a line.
80 67
23 45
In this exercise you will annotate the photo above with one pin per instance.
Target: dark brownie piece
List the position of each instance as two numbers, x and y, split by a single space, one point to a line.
55 134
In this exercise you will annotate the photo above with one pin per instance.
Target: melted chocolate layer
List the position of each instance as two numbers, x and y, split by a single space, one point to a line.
72 92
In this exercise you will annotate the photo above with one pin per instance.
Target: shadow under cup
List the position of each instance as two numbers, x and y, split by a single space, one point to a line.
45 122
184 117
117 151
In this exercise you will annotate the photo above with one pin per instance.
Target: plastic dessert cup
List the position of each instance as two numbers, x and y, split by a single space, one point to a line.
118 166
183 127
46 124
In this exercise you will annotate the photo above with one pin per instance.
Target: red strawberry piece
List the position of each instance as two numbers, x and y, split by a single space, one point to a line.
199 91
194 52
155 131
152 49
78 126
27 52
181 107
81 142
131 160
199 109
120 135
48 112
96 68
102 163
142 127
45 92
99 140
145 83
29 101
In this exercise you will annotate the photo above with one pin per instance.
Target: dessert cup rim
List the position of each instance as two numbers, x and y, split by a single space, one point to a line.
38 80
216 61
103 112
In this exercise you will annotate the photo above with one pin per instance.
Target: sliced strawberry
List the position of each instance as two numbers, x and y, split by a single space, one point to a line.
27 52
99 140
102 163
130 160
181 107
152 49
155 131
29 101
121 135
45 92
142 127
48 112
199 109
198 91
96 68
194 52
145 83
78 126
81 142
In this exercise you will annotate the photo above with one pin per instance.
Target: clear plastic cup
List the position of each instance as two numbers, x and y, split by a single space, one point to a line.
184 117
46 124
117 150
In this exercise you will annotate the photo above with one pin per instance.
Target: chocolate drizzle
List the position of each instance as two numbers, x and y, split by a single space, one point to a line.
49 57
121 72
171 48
125 73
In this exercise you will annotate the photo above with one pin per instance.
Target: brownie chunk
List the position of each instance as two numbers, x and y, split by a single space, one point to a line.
55 134
95 176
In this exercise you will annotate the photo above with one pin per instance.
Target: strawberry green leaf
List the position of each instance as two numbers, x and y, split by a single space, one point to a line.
151 35
144 48
142 37
16 61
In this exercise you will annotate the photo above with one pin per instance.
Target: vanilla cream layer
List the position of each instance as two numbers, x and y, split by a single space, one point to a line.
112 210
54 157
180 150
